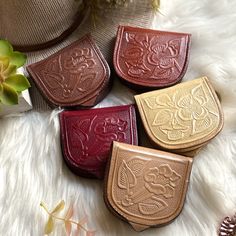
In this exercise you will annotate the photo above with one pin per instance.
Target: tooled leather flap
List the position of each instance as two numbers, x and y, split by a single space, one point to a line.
181 117
73 75
150 58
86 136
146 187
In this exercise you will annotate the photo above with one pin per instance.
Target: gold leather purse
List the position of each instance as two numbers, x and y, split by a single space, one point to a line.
181 118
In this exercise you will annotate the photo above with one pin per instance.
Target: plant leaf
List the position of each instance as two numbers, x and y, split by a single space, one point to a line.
84 220
69 212
68 227
136 165
59 207
8 95
86 82
153 207
5 48
77 231
18 82
199 94
201 125
49 226
18 59
4 64
11 70
54 80
79 224
162 117
156 5
126 177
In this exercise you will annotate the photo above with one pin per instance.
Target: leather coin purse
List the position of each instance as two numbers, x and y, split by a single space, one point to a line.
181 118
77 75
149 59
86 137
146 187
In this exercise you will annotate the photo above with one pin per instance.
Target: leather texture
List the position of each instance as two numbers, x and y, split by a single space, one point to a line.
181 118
146 187
149 59
86 137
77 75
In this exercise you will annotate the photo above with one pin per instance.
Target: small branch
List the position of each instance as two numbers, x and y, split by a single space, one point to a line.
62 219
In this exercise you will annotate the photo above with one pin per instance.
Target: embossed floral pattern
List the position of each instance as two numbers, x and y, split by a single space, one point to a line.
151 56
191 106
94 136
162 180
111 129
78 60
180 114
159 184
72 72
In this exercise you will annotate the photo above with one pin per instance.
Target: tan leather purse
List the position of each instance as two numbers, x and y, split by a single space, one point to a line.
181 118
146 187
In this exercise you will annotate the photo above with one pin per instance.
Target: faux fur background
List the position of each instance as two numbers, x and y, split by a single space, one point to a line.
31 166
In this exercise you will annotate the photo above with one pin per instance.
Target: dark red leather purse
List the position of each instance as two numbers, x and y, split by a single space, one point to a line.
86 136
150 59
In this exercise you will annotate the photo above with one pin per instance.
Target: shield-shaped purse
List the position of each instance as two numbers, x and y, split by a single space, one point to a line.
148 59
77 75
146 187
86 137
181 118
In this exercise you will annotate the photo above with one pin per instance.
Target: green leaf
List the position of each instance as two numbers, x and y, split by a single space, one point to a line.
18 59
18 82
8 95
59 207
11 70
4 64
49 226
5 48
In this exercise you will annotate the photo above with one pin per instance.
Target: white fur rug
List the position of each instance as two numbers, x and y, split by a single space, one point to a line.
32 170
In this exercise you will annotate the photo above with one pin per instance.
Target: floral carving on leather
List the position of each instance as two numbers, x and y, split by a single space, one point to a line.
111 129
93 136
78 63
79 60
159 185
181 114
161 181
151 55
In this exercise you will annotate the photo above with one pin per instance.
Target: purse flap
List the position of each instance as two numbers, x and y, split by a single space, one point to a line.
146 187
151 58
86 136
73 75
183 116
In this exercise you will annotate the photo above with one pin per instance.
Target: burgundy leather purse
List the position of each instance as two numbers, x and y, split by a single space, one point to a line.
77 75
86 137
149 59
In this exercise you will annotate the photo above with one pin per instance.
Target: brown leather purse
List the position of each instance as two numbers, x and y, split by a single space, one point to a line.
77 75
149 59
146 187
181 118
